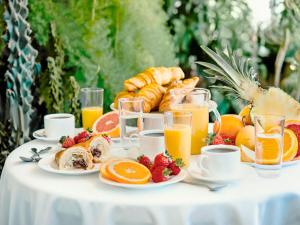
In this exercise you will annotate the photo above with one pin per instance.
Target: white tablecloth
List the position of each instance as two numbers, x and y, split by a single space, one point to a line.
30 196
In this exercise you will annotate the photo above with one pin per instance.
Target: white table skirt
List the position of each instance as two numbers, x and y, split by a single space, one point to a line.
30 196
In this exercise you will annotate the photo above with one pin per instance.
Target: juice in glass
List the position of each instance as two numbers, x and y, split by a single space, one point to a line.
91 105
268 150
90 115
178 142
268 144
199 125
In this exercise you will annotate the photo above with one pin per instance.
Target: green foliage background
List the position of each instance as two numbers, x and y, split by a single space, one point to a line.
103 42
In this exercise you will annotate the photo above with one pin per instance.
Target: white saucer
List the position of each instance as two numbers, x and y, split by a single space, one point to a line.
173 180
198 176
195 173
40 135
47 163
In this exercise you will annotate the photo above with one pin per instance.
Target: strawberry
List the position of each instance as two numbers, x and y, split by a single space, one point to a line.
81 140
160 174
145 161
218 140
228 140
223 140
67 142
161 160
175 166
82 137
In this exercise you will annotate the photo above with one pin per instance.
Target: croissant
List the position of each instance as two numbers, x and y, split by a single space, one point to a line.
158 75
123 94
168 99
152 95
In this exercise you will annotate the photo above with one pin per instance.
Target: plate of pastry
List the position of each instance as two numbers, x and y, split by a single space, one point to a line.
79 158
154 86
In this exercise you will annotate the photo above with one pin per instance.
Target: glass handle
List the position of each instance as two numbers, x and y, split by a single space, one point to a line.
133 136
213 108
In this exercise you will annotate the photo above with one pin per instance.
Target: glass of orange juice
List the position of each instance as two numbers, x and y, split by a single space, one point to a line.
268 144
91 105
197 101
178 133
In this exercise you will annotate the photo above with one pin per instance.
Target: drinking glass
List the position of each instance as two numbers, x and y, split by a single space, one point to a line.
131 120
177 131
91 105
268 144
197 101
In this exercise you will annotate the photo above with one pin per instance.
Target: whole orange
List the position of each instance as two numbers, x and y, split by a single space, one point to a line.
230 125
246 137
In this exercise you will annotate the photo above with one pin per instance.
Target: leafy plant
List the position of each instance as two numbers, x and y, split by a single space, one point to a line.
105 42
19 72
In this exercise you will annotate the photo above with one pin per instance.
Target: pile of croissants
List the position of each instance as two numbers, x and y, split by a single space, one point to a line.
154 86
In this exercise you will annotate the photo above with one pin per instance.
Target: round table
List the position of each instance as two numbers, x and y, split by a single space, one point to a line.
31 196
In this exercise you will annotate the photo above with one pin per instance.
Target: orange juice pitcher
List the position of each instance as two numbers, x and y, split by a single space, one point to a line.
197 101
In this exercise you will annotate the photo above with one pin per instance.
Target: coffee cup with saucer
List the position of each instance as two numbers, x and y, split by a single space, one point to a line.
217 164
56 125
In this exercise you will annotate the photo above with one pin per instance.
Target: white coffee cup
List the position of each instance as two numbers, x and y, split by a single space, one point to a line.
220 161
151 143
59 124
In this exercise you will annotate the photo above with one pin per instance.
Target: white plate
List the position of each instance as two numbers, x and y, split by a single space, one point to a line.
40 135
48 164
284 164
173 180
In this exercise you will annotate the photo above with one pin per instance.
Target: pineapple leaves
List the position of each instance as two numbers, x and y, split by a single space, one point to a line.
231 69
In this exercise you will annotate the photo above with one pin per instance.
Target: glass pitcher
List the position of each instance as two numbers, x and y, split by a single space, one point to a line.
197 101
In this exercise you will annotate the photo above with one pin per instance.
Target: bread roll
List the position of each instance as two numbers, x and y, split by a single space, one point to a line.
75 157
99 147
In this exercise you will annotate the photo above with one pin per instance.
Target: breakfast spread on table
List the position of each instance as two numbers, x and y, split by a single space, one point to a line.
184 110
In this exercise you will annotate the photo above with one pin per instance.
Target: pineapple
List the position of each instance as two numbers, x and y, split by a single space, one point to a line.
240 79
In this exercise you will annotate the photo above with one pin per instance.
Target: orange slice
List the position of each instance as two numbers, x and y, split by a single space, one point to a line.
129 172
290 144
103 167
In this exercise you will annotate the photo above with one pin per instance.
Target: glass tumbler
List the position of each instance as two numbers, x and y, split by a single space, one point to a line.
91 105
178 135
131 120
268 144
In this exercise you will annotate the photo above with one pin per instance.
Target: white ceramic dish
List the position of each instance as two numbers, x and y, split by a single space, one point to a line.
173 180
40 135
48 164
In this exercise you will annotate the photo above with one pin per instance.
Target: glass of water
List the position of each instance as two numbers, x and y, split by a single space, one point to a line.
131 119
268 144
